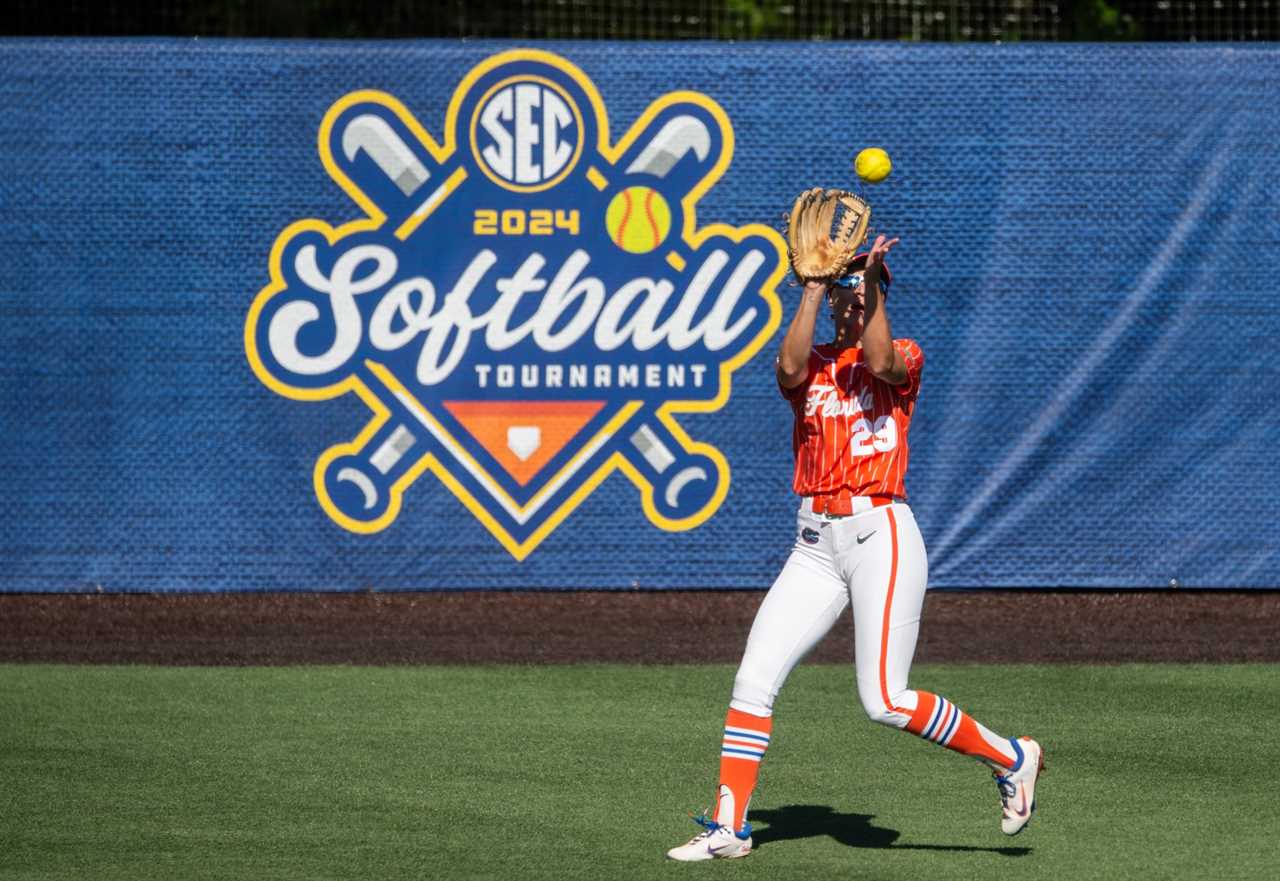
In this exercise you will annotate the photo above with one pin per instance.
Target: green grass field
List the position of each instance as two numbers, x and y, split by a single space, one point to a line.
589 771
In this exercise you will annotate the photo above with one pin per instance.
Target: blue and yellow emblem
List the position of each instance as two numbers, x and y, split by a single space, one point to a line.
525 307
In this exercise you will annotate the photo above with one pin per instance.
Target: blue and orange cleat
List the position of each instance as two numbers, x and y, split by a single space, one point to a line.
714 842
1018 787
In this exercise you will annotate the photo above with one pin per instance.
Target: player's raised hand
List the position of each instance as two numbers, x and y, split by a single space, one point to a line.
879 250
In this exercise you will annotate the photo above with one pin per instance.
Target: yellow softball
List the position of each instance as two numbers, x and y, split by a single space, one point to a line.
873 165
638 219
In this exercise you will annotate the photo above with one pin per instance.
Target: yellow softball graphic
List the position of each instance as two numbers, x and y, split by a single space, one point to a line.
638 219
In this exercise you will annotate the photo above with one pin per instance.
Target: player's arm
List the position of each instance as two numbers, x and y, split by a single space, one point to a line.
878 351
793 357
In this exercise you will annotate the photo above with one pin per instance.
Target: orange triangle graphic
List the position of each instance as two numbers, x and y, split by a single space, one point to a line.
523 435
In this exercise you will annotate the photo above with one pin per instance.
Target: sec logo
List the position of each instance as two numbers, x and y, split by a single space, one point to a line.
527 134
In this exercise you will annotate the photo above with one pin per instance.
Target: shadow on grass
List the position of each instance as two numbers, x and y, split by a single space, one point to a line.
851 830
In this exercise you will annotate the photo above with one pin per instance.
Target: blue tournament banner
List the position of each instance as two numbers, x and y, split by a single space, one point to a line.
524 306
438 315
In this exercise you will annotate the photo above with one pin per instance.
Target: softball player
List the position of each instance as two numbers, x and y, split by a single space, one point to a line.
857 542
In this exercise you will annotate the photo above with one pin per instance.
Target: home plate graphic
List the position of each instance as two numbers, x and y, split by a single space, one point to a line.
523 436
523 440
524 306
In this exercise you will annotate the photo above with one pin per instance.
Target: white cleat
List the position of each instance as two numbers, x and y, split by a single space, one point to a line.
715 842
1018 787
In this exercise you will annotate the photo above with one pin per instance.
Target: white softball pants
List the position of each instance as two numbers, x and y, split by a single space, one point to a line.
874 559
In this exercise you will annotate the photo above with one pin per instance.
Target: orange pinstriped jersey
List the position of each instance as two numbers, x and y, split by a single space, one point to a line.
850 435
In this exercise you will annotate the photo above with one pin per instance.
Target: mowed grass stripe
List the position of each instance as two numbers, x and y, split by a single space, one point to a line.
571 772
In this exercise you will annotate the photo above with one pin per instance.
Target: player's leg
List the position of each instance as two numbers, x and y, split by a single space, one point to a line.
799 610
801 607
888 575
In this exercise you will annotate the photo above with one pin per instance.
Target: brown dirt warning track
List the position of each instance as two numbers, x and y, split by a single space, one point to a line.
633 627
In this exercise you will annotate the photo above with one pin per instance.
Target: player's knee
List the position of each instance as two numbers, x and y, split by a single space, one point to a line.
873 704
752 694
881 714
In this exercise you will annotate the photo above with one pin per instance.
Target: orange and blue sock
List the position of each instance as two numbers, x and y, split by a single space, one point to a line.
936 718
746 737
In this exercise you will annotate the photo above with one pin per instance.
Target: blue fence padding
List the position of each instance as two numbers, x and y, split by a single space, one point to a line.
1089 259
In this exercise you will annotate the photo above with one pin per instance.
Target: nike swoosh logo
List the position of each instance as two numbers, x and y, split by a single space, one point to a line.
1022 798
863 538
